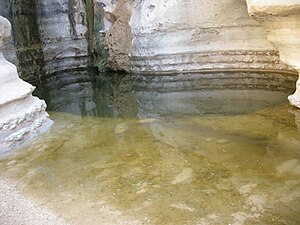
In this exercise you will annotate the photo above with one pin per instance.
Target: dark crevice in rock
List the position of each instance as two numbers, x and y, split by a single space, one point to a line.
71 13
49 37
27 40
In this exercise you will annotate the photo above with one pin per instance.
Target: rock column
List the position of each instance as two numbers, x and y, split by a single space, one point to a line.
281 18
22 116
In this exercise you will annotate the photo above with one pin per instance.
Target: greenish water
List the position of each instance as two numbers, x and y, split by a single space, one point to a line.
215 157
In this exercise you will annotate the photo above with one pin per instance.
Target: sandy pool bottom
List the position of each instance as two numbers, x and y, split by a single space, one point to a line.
210 169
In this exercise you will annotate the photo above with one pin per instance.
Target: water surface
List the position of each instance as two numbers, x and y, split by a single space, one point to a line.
120 156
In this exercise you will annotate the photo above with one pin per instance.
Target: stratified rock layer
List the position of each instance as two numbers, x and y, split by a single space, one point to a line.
281 18
22 116
27 40
49 36
199 36
63 32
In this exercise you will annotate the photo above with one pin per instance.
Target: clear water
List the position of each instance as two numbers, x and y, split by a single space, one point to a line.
115 156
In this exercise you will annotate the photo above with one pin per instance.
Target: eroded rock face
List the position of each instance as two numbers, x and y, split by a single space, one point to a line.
209 35
8 47
281 18
116 19
49 37
63 32
27 40
22 116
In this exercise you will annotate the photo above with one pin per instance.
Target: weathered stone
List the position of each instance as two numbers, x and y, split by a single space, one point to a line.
281 18
22 116
199 36
49 37
118 37
27 40
63 30
8 46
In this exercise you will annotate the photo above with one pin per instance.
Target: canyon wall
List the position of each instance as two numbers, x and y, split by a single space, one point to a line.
22 116
193 44
186 39
63 32
165 37
8 45
118 35
27 40
281 19
50 37
195 35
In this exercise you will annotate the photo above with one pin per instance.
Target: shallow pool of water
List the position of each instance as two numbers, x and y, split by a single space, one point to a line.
117 156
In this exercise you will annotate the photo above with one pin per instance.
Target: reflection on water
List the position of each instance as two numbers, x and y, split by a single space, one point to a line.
83 93
214 157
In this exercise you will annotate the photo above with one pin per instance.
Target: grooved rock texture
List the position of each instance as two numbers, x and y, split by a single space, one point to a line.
281 18
22 116
27 39
190 35
49 36
62 27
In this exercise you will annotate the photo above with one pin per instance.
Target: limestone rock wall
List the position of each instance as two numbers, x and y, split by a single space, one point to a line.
167 37
281 19
49 36
208 35
8 46
63 32
116 17
22 116
27 40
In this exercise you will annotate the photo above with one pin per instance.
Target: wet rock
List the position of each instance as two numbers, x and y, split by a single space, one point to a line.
290 166
22 116
120 128
246 189
183 176
12 162
223 141
148 120
183 206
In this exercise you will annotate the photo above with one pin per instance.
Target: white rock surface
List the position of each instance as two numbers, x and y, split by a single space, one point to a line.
184 35
22 116
281 18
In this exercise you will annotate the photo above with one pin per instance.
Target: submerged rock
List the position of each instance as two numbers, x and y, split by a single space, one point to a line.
289 166
183 176
148 120
120 128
